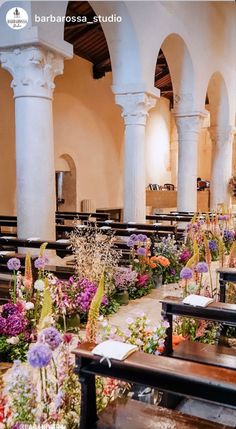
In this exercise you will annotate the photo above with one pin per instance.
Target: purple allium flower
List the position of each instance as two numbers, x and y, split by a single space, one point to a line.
2 325
13 264
186 273
141 251
9 308
39 355
130 243
141 237
15 324
228 235
201 267
50 336
173 271
213 246
40 263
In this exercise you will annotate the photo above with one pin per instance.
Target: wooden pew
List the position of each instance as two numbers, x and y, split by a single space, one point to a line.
170 218
185 378
195 351
225 275
82 215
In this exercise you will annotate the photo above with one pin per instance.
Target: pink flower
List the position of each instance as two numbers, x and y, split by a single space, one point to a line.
142 279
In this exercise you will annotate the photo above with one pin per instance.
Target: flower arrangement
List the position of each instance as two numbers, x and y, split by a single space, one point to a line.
168 248
140 332
73 297
21 315
124 277
94 252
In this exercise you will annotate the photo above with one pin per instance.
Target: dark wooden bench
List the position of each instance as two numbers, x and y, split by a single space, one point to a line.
179 377
169 218
209 354
225 275
125 413
81 215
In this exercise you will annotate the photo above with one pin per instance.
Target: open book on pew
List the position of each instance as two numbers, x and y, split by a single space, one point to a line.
197 300
111 349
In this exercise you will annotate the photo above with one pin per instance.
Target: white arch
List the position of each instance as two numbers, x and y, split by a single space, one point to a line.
218 100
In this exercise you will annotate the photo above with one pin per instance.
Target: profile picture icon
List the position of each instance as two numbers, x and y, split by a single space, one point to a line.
17 18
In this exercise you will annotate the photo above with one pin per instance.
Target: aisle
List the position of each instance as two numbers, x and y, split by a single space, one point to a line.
148 304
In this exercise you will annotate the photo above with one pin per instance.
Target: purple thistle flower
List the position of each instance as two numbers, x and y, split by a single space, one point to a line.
2 325
201 267
186 273
213 246
39 355
50 336
141 251
15 324
13 264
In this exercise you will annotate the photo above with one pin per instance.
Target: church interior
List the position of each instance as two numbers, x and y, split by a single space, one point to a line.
118 214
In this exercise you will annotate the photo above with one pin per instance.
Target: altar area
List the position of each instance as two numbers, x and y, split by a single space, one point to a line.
168 199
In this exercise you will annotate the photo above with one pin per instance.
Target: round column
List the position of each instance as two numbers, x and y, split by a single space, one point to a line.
189 127
222 139
33 70
135 111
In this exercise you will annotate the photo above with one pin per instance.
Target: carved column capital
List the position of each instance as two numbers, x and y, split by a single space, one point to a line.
189 123
33 69
135 107
221 135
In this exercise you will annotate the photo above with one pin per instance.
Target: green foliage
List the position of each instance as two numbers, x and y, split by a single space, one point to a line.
111 308
138 291
196 330
11 352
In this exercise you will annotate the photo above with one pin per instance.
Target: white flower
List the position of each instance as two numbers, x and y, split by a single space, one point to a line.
13 340
29 305
39 285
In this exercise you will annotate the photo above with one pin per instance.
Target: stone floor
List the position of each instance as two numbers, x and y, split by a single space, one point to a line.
151 306
148 304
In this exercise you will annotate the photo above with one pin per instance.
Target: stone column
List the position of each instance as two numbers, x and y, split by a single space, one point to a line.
135 111
189 127
221 172
33 69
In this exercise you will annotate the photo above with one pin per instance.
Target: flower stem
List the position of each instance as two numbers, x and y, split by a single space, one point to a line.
56 375
14 286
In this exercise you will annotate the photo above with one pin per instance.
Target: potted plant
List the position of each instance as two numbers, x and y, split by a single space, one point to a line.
158 264
123 278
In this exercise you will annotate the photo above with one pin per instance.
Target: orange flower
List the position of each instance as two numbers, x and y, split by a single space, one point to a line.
163 261
153 261
176 339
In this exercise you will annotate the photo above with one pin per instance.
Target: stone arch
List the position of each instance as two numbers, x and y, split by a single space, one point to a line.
218 100
181 69
65 166
221 139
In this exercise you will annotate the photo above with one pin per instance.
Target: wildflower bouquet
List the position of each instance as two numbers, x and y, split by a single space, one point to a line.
168 248
20 316
124 277
140 332
72 297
